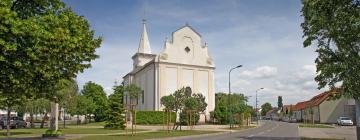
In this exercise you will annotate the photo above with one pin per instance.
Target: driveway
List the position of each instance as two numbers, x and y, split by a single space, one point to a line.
341 132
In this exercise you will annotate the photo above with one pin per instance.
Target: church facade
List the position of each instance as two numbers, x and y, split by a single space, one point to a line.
184 61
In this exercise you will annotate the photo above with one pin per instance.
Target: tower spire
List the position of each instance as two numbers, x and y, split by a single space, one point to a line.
144 46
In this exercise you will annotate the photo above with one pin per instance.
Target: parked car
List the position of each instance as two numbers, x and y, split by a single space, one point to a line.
15 122
292 120
285 119
344 121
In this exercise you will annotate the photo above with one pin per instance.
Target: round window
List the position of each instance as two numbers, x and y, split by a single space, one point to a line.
187 49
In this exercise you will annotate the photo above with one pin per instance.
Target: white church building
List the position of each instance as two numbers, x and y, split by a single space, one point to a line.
184 61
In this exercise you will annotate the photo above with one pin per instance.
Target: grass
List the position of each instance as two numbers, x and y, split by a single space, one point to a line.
87 124
39 132
23 132
149 135
315 125
320 139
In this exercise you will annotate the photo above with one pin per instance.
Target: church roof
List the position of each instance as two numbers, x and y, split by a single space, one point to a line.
144 46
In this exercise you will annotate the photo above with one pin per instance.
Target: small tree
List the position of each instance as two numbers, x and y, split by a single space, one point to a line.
96 93
115 114
182 101
266 107
280 104
134 92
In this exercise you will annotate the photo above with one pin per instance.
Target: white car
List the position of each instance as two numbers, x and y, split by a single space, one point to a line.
344 121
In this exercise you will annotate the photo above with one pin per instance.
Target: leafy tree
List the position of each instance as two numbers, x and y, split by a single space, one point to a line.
333 26
182 101
115 118
42 42
266 107
168 102
96 94
134 92
237 106
82 106
280 104
33 107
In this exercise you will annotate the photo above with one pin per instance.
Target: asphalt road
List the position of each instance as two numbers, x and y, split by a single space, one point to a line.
269 130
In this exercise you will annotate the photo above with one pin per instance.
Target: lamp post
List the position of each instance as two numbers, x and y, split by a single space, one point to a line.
229 109
256 106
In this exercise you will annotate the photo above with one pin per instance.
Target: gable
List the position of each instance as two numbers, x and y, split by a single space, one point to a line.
186 47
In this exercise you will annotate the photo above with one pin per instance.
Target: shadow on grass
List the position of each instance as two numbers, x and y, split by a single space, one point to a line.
14 133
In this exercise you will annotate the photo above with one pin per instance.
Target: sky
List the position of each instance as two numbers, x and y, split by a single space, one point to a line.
264 36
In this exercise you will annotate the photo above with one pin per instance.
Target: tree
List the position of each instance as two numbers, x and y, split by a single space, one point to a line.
183 100
168 102
238 106
134 92
97 94
334 27
82 106
115 118
42 42
280 104
266 107
33 107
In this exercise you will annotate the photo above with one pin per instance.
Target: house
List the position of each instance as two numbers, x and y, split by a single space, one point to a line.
299 110
321 109
184 62
3 113
272 114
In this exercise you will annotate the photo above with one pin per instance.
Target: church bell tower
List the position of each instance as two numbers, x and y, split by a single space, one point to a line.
143 54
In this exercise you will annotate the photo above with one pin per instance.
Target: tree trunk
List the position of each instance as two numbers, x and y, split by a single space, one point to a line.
43 120
89 118
8 122
54 116
78 120
86 119
32 120
64 118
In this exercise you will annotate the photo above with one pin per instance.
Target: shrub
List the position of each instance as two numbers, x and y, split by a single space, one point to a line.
152 117
52 133
185 118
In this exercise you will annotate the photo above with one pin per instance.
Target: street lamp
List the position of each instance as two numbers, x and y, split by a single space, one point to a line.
256 106
229 110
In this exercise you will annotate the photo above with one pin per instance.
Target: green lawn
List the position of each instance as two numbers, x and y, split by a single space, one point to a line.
88 124
149 135
39 132
23 132
316 125
319 139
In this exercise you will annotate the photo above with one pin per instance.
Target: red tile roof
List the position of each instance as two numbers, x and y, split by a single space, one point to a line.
300 106
314 101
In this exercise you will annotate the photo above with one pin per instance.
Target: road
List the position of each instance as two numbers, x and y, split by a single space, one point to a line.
269 130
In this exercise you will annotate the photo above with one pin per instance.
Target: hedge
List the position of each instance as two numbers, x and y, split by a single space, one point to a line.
152 117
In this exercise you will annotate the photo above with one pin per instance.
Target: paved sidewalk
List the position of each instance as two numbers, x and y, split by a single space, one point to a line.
348 133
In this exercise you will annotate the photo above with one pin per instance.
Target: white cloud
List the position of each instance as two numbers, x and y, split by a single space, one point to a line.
260 72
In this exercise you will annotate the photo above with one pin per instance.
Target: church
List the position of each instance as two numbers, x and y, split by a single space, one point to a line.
183 62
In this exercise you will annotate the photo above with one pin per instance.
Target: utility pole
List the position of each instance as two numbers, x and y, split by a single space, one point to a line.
256 106
229 114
